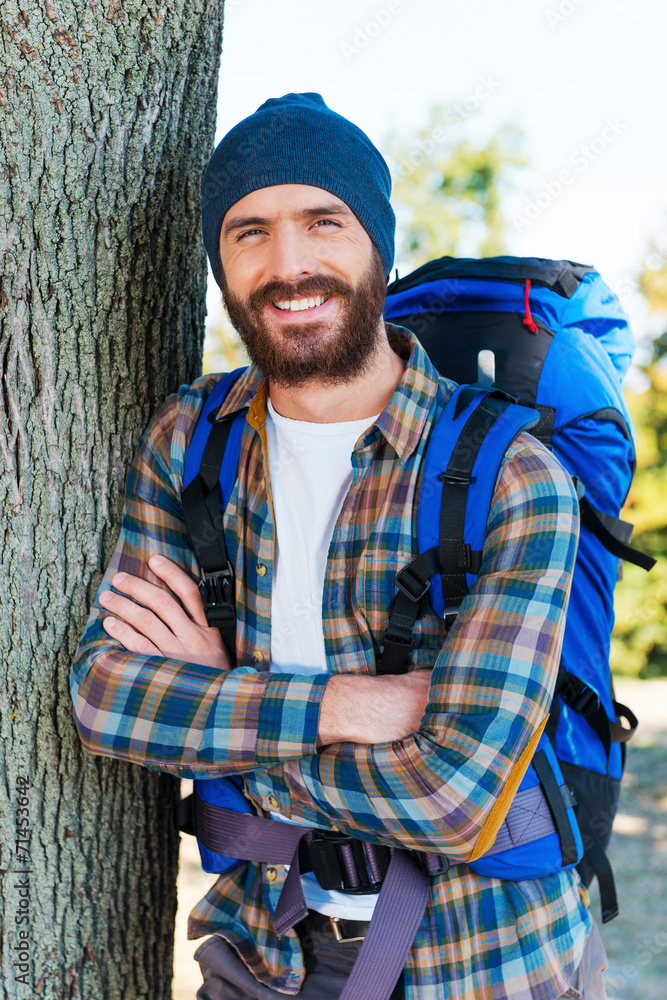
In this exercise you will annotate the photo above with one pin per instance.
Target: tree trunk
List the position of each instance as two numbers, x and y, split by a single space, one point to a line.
107 113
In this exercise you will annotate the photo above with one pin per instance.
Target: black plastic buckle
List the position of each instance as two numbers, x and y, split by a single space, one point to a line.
217 590
583 700
398 640
340 862
414 589
457 478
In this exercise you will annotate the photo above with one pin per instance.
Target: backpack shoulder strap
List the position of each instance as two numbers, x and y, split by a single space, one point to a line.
210 472
461 464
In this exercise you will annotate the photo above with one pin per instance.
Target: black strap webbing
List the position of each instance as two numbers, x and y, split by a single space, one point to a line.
455 557
582 699
203 516
552 790
452 557
185 815
614 534
596 856
605 413
413 583
544 428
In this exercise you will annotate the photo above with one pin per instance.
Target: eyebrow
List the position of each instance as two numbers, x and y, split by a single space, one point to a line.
334 208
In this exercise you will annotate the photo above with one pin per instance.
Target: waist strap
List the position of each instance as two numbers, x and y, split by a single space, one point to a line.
403 891
254 838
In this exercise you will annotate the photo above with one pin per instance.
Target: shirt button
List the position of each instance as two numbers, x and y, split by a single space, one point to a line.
273 801
261 569
271 874
258 656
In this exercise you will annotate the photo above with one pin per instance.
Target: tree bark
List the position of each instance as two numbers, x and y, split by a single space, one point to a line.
107 114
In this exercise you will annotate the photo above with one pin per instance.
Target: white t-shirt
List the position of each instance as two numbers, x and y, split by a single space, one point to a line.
311 469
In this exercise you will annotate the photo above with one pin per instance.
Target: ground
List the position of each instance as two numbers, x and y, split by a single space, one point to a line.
636 941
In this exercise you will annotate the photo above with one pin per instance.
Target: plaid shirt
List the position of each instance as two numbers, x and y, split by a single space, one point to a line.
447 787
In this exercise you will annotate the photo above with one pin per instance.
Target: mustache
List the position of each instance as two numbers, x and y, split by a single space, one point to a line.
315 284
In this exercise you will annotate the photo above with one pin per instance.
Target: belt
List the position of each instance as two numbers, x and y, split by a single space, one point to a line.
344 931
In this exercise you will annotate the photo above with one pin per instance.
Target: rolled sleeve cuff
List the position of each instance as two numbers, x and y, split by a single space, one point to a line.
288 717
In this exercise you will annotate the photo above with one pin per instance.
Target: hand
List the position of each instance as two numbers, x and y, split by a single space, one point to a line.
357 708
162 627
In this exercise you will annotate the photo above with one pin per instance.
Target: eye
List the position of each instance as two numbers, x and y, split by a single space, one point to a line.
248 232
331 222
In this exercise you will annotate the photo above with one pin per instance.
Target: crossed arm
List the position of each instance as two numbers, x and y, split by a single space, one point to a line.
151 684
420 759
354 708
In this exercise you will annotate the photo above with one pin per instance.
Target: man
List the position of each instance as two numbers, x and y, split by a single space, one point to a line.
299 230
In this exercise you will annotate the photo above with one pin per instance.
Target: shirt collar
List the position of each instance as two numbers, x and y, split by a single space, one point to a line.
403 419
401 422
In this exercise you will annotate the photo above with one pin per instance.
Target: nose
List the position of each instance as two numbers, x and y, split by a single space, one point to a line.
291 255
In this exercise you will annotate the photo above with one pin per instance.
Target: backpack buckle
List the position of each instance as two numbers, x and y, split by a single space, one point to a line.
217 590
581 698
457 478
348 865
449 614
410 585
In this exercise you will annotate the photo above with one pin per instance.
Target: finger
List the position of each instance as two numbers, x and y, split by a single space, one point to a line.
182 585
127 637
142 619
160 601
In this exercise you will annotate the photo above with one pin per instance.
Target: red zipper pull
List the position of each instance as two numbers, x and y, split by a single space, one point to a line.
528 319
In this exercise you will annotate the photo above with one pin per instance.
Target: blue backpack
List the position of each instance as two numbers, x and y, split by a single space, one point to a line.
537 345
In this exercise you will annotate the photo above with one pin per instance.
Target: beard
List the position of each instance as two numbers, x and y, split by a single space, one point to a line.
320 351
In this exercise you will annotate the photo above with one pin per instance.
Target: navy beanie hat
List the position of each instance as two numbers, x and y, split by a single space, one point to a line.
297 139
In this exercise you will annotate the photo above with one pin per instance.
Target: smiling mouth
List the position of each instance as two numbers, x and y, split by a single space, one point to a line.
300 305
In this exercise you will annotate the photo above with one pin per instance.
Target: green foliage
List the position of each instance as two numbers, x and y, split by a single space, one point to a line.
448 191
639 643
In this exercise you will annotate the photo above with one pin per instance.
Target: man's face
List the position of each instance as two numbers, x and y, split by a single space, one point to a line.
303 284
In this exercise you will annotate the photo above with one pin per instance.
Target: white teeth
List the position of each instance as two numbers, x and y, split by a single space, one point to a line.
296 305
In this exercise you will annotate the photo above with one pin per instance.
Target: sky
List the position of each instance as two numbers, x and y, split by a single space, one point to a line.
584 79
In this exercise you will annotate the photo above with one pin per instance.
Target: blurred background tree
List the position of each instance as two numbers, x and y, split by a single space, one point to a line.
639 643
449 191
223 350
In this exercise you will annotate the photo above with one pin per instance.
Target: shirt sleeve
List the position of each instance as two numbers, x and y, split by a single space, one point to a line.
188 719
490 691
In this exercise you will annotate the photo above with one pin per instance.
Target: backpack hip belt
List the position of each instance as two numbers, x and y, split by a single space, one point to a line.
400 878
